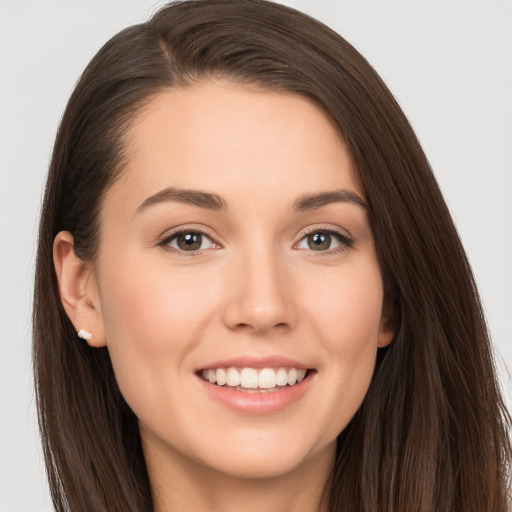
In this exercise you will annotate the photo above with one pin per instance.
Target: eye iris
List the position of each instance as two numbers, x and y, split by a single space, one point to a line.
319 241
190 241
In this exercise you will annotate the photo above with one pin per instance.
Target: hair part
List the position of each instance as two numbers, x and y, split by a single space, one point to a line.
431 434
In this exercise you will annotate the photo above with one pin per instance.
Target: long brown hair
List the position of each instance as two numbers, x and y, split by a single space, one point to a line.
432 433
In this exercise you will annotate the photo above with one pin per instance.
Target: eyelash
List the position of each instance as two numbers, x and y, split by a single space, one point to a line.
346 241
167 239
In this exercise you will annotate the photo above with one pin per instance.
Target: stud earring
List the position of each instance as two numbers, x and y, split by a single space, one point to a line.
84 335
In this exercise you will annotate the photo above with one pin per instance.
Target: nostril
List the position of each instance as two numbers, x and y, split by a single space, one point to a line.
260 327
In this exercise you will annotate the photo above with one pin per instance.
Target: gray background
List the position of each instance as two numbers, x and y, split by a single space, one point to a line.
449 63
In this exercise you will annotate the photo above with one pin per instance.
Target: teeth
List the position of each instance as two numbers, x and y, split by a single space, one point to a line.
233 377
281 377
267 378
292 376
251 378
221 377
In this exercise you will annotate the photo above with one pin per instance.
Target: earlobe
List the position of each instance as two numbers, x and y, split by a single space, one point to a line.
78 290
385 337
389 322
387 330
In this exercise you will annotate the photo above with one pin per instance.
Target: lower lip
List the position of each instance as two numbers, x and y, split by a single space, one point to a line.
257 403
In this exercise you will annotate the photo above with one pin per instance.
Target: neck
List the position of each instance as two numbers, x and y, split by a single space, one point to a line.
180 485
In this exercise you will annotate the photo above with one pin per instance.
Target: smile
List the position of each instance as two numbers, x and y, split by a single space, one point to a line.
254 380
257 386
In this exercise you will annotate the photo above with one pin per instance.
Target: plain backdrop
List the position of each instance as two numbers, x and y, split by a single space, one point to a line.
449 63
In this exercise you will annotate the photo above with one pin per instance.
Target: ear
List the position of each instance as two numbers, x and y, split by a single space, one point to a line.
386 335
387 328
78 289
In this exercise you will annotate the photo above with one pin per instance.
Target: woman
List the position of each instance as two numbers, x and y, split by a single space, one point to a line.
273 307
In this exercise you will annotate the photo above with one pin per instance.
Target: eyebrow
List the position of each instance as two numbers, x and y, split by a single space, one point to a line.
314 201
193 197
215 202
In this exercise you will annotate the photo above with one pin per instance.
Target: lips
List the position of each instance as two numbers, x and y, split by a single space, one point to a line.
256 386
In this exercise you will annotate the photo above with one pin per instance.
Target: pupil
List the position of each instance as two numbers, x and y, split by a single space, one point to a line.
190 241
319 241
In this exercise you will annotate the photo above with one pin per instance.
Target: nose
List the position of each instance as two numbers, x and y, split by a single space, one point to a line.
260 294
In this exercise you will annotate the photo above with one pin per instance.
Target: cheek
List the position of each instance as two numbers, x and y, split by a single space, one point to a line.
151 306
348 309
151 318
352 320
346 323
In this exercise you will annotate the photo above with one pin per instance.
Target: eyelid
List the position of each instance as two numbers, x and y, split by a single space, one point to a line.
164 239
346 240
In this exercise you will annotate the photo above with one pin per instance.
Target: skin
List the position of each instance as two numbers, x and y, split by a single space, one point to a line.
257 289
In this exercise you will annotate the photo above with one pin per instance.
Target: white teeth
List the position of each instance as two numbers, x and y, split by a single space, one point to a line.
267 378
251 378
292 376
281 377
221 377
233 377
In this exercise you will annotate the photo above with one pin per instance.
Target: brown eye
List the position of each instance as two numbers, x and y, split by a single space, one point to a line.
189 241
325 240
319 241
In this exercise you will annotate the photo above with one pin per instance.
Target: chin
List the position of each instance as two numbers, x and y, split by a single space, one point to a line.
272 462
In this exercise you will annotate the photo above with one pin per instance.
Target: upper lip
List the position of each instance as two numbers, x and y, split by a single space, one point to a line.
272 361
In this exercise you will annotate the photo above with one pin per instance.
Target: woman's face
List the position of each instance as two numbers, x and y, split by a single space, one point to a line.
236 246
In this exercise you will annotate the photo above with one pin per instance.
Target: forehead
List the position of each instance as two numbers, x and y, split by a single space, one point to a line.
237 142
